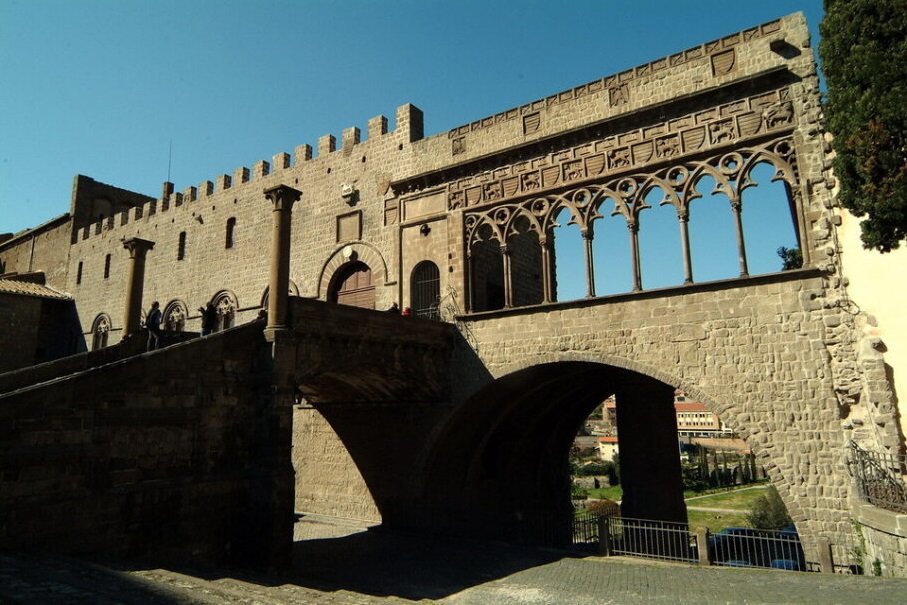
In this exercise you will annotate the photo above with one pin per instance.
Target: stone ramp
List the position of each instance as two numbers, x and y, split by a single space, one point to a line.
377 567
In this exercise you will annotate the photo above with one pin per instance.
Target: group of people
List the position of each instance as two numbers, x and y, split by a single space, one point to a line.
407 312
155 318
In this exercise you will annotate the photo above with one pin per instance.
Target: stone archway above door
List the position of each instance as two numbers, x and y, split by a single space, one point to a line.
348 253
352 285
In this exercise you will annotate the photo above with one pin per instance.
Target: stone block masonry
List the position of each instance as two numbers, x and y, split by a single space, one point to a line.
170 455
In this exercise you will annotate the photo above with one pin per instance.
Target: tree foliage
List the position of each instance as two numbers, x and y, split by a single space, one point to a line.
768 511
791 258
864 58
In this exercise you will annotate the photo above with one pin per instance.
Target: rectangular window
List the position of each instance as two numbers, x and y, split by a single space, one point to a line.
181 250
107 266
79 274
231 228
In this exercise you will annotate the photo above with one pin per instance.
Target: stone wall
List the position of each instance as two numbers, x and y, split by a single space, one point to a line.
19 323
45 248
754 351
328 481
880 537
175 454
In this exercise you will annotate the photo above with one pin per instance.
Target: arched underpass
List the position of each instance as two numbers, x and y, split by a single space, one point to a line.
499 467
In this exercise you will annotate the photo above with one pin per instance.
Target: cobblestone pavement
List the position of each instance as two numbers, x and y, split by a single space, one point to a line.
369 568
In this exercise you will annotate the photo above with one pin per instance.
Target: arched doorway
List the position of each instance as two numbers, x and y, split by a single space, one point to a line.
425 290
352 285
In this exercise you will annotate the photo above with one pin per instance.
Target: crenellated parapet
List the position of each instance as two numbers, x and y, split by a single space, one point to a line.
409 128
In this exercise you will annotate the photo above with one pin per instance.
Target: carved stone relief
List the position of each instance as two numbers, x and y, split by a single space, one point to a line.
668 140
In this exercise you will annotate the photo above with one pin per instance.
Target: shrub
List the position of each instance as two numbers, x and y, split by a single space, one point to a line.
769 511
608 508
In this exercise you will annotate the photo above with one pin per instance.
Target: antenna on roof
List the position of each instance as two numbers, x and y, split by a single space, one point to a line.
169 159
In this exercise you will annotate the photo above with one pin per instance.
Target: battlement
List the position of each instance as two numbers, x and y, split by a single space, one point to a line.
409 128
614 83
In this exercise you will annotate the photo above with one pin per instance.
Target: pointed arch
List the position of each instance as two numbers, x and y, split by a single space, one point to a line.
100 331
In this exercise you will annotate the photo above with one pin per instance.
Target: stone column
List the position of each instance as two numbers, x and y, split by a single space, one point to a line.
684 219
547 273
135 283
508 276
283 198
649 454
274 497
741 245
588 236
634 254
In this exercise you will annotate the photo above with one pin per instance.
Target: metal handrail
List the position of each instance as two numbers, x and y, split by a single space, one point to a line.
880 478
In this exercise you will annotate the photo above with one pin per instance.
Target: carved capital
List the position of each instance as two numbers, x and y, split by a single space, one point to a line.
283 197
138 247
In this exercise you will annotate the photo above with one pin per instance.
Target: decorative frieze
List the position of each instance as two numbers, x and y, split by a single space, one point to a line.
694 133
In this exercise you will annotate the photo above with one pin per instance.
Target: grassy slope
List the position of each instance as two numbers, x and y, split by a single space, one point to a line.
740 501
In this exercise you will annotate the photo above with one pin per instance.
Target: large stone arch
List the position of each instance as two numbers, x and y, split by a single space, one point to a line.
360 251
728 410
498 466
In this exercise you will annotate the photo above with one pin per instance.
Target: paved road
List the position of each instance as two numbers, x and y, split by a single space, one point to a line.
370 568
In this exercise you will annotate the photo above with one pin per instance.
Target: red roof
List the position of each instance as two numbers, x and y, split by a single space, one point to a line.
690 406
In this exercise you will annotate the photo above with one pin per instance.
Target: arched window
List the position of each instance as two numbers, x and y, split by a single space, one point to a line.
175 314
226 305
425 290
352 285
231 228
100 329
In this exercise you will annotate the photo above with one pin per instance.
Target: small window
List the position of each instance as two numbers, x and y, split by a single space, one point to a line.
79 274
107 266
181 250
231 227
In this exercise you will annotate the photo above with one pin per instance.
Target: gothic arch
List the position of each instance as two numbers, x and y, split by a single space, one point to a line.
677 183
100 331
226 304
360 251
175 314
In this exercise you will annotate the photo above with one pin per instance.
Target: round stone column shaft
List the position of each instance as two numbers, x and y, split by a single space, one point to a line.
135 284
282 197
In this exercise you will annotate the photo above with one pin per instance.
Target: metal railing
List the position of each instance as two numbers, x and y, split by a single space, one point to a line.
880 478
586 529
651 539
747 547
731 547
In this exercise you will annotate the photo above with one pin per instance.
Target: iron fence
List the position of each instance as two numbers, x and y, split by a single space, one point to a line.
880 478
586 529
651 539
731 547
747 547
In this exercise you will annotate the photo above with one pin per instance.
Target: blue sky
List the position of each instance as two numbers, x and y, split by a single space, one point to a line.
102 87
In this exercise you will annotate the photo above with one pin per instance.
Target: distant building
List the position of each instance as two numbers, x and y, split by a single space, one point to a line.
694 421
607 448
